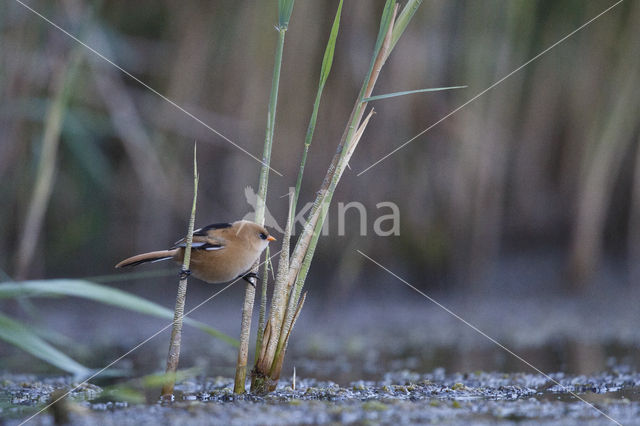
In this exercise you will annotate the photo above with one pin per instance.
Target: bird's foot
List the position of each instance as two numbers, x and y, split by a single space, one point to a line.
184 273
248 278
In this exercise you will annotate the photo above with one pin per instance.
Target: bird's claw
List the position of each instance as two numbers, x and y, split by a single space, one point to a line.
185 273
247 277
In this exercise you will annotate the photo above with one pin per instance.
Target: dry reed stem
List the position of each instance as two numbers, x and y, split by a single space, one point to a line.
279 295
245 330
175 341
173 357
276 368
263 303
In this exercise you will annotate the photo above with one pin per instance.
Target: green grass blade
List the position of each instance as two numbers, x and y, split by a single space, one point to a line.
403 20
385 21
156 380
327 60
133 390
102 294
410 92
129 276
22 337
285 8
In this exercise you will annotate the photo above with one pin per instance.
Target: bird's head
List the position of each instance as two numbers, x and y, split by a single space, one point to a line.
254 235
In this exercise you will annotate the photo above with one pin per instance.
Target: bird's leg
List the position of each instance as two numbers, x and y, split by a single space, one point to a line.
247 277
184 273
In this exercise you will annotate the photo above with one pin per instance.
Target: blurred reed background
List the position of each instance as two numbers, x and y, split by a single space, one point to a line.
94 167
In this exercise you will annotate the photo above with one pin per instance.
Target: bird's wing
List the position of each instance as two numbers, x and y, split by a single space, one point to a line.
202 243
204 238
205 229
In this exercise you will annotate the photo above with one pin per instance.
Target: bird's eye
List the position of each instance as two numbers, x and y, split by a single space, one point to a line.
263 236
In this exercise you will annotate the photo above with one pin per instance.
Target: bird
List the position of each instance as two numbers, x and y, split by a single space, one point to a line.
220 252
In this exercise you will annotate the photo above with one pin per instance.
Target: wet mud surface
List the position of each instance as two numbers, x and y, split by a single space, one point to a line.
401 397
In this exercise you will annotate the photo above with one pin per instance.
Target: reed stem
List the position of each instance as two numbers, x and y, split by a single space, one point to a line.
176 332
285 8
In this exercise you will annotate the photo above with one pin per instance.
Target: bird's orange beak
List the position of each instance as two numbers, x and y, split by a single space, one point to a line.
270 238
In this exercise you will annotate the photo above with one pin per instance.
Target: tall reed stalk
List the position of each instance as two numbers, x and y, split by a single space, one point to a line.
288 300
176 332
285 8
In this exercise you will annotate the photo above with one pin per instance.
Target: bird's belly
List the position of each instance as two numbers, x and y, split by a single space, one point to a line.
214 270
213 277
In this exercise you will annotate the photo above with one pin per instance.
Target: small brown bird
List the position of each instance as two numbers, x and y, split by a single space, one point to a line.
219 253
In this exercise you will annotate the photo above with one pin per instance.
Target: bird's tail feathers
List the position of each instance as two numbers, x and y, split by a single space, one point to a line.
154 256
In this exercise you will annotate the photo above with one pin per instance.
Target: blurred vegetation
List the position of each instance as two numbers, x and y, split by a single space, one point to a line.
547 160
34 339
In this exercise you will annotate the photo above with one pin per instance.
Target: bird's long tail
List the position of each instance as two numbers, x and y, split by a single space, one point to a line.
154 256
